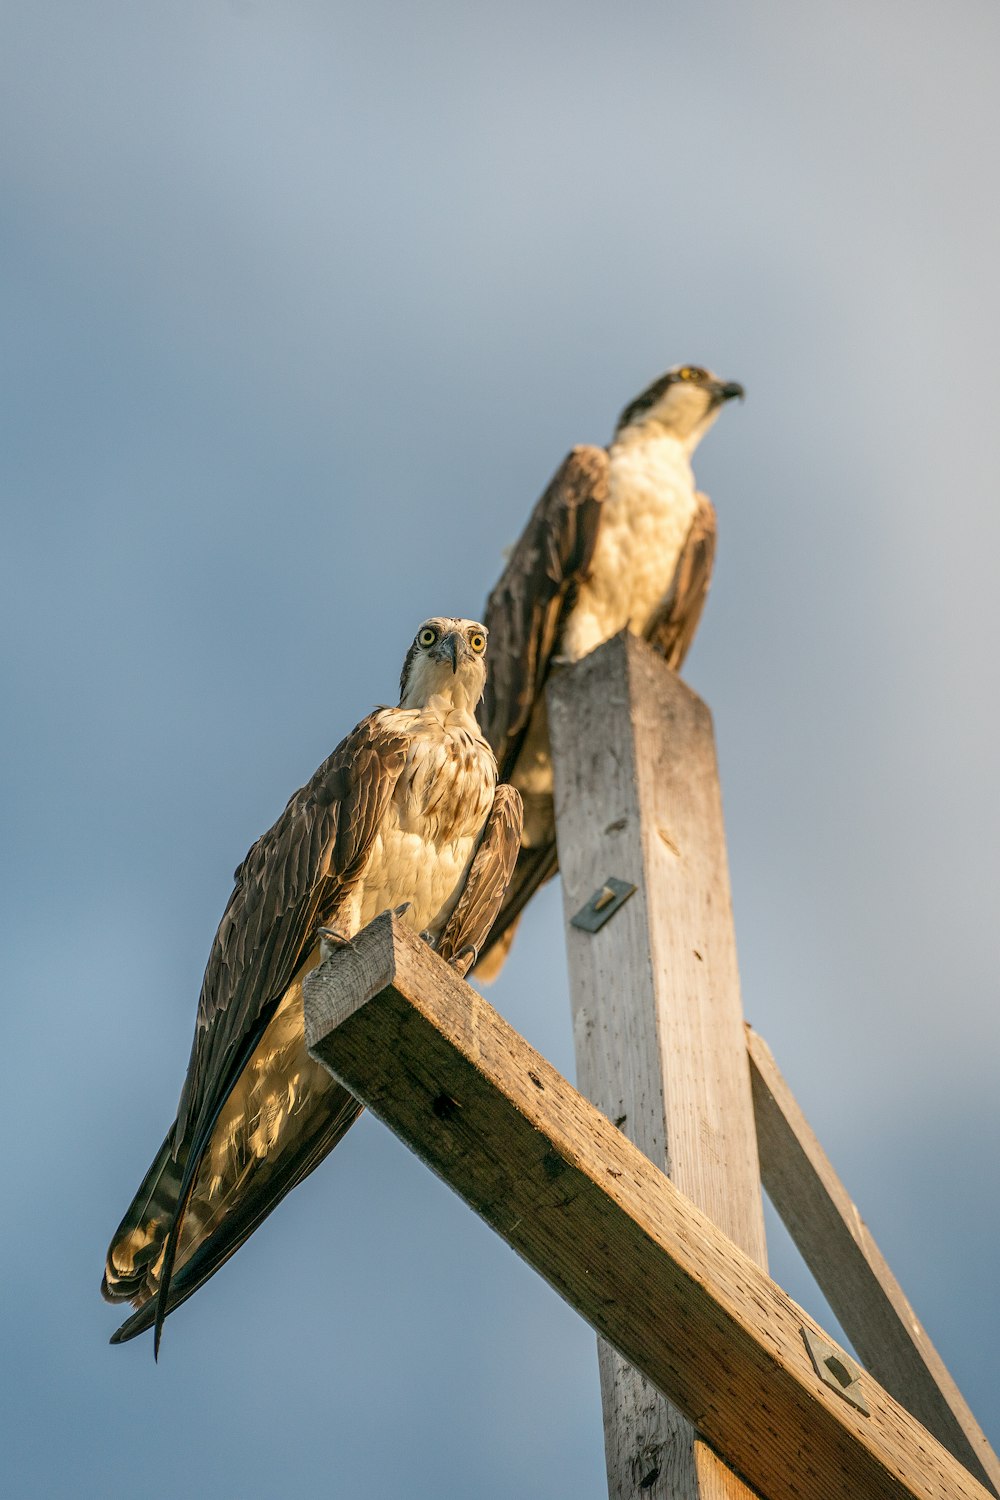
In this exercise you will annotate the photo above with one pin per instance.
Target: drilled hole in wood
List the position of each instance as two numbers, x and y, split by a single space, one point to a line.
839 1371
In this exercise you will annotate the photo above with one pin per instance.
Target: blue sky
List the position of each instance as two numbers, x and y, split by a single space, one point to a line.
302 305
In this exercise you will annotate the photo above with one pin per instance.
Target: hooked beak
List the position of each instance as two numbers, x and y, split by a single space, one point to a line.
725 390
449 648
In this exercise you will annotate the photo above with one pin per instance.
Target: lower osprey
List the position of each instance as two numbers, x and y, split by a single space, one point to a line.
620 539
406 809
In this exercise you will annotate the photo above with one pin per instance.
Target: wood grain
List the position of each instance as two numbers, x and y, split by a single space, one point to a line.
584 1206
853 1275
658 1022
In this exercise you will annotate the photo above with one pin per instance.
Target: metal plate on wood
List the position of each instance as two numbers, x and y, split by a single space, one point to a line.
605 901
837 1370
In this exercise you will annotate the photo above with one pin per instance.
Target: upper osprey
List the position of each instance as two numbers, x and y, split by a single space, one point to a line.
406 809
621 537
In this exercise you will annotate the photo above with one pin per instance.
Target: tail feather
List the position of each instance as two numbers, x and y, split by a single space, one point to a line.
264 1190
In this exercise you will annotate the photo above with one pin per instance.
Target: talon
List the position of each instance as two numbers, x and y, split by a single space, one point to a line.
331 941
402 909
428 937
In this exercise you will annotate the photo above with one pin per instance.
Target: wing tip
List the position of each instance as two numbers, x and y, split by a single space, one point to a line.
492 961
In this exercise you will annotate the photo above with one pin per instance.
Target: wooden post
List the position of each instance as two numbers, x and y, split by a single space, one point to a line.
658 1023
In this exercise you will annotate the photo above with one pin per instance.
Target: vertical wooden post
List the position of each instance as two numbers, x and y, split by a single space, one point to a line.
658 1024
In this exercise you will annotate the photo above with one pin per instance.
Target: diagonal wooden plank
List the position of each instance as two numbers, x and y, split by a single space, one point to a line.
850 1270
583 1205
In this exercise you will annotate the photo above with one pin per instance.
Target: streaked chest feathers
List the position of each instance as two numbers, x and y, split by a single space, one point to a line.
438 809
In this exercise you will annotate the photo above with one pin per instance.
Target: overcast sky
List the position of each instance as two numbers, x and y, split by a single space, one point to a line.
302 304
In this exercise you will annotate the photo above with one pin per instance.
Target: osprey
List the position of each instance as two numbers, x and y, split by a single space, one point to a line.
406 810
621 538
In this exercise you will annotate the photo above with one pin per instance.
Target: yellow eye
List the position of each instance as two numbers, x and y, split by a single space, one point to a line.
477 641
687 373
427 636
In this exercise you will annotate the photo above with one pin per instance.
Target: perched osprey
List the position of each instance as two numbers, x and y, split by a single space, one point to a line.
621 537
406 809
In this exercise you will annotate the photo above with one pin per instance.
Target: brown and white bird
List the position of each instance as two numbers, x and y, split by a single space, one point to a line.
406 810
621 538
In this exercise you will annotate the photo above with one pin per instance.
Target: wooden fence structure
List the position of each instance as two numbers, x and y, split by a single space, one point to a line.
638 1198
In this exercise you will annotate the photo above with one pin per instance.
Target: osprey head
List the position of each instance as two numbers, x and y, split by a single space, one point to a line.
448 660
683 403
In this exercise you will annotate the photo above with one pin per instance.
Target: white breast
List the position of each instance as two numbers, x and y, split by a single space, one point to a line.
644 522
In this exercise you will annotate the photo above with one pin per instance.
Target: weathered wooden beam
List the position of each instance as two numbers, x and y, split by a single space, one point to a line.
852 1273
657 1017
584 1206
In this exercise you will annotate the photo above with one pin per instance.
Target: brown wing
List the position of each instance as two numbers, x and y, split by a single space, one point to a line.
676 622
292 879
534 867
486 882
289 882
525 611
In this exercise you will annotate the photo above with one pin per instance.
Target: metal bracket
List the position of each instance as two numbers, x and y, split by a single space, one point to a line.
605 901
836 1369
